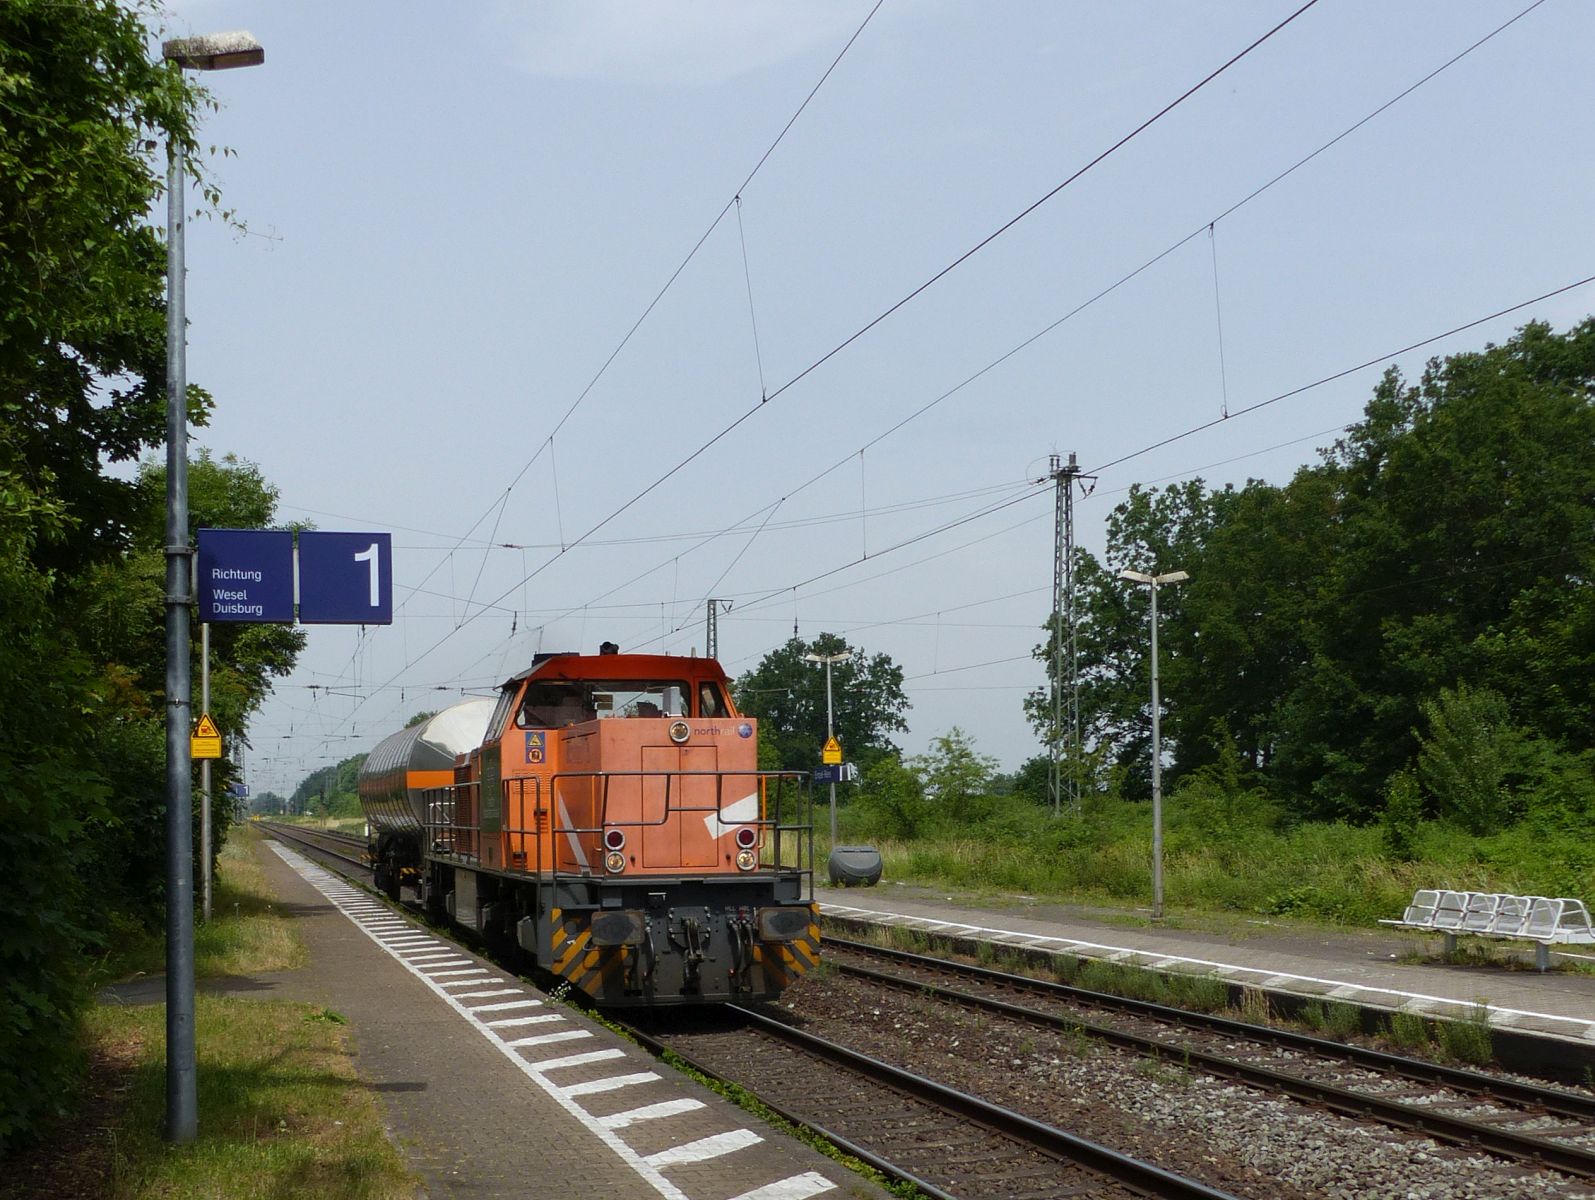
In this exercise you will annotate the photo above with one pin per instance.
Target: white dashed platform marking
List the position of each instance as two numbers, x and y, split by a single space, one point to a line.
1391 998
400 940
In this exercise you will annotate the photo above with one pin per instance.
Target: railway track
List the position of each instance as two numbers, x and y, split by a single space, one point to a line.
945 1142
346 847
906 1126
1518 1121
949 1143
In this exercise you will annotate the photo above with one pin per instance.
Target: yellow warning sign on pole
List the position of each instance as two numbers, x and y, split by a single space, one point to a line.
207 739
832 753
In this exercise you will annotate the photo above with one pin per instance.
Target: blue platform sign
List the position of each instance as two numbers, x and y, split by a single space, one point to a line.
246 575
345 578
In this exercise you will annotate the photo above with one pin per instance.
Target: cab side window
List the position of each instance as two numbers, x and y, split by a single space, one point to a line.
710 702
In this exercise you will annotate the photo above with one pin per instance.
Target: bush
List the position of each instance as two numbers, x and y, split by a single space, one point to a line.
1471 749
1402 814
890 803
48 796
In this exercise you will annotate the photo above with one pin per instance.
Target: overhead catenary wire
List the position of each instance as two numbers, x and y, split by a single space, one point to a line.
753 316
920 289
954 524
938 276
794 588
527 576
1218 317
1176 245
1248 198
1031 208
1362 366
548 442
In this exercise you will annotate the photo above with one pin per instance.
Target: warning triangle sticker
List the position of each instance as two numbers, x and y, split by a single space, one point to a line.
207 727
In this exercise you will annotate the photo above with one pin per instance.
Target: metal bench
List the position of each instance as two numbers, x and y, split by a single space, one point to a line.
1546 921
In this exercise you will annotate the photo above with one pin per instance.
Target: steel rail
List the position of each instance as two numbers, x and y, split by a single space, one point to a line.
1048 1139
1553 1100
660 1049
307 838
1519 1147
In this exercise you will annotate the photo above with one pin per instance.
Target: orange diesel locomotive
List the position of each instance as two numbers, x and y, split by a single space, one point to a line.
605 817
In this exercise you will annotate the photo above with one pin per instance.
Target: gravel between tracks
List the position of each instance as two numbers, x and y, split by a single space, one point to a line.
1230 1136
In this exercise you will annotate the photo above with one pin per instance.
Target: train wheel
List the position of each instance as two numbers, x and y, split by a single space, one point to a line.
433 901
387 879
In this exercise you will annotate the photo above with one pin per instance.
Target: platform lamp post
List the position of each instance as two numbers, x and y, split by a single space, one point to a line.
830 720
213 52
1153 582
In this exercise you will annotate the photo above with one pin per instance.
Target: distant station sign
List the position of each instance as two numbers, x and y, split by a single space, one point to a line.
838 773
345 578
246 575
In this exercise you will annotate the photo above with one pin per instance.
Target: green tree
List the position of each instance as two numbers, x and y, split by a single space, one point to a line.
1447 539
267 804
1468 755
891 802
50 799
955 777
787 695
83 112
1152 530
122 601
1463 543
332 791
82 272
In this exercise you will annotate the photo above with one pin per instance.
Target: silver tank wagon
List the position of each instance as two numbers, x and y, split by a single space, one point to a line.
398 772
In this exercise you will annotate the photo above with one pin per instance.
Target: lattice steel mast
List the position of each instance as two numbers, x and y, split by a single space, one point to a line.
1065 640
711 631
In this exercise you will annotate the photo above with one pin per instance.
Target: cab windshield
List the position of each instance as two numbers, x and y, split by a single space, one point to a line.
568 702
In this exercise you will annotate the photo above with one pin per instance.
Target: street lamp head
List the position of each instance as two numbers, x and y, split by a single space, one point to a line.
1154 580
828 658
215 51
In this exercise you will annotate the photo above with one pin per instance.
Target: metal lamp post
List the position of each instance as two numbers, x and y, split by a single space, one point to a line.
213 52
830 724
1153 582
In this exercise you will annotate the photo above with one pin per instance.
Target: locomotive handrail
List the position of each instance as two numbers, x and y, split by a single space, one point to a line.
718 807
760 780
447 835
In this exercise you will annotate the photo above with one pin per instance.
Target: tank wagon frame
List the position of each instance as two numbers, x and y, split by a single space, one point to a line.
606 819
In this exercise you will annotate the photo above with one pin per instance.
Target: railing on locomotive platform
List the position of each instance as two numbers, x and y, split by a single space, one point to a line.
784 823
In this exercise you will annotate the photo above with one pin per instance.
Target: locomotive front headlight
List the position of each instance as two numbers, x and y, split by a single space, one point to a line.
614 862
680 731
746 860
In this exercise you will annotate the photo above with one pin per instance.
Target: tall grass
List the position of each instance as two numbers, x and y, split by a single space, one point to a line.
1326 872
281 1112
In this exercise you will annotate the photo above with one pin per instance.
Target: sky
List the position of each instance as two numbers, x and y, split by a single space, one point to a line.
455 215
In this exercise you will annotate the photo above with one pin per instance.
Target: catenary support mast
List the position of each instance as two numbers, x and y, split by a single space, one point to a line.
1064 785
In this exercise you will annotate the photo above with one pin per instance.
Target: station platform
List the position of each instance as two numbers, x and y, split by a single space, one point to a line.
1376 968
493 1089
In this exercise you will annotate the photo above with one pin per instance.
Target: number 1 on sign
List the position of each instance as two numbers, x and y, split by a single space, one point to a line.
371 556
